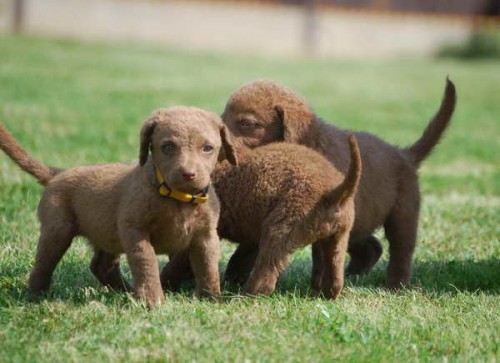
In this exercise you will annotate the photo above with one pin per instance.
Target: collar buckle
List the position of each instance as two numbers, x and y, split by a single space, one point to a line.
166 191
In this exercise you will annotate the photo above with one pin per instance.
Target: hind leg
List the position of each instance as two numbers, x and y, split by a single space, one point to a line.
401 231
333 253
106 268
240 264
177 270
53 243
364 255
269 265
272 259
317 266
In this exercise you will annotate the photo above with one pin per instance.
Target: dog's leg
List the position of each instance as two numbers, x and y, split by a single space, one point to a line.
317 266
333 252
272 259
143 265
177 270
204 254
52 245
106 268
274 247
364 255
281 235
401 231
240 264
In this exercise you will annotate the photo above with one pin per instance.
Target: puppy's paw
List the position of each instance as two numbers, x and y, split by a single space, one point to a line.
152 297
397 285
397 280
212 294
35 296
37 287
259 288
333 289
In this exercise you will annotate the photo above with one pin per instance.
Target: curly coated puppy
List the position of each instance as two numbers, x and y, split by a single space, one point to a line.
280 198
162 205
263 112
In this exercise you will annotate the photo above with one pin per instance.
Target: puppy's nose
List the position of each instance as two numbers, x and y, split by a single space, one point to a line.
188 175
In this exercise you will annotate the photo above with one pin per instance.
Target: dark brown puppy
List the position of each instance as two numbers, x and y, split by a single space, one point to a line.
123 208
263 112
280 198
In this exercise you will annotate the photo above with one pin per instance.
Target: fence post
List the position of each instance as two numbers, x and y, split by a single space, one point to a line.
310 40
18 16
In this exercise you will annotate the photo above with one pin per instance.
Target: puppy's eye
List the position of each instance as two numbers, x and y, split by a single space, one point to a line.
207 149
168 148
247 124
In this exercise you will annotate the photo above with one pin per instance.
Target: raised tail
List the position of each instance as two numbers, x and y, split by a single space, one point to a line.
435 129
349 186
11 147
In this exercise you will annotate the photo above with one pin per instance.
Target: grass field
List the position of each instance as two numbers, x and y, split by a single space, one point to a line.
72 104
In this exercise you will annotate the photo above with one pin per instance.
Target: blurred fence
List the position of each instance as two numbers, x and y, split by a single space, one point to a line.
339 28
443 7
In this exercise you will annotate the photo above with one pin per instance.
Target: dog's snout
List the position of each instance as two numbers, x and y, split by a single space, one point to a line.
188 175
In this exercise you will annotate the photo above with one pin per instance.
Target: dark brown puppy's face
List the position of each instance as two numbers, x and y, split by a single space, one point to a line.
185 144
263 112
253 127
251 117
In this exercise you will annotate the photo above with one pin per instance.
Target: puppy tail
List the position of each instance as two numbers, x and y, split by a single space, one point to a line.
349 186
11 147
436 127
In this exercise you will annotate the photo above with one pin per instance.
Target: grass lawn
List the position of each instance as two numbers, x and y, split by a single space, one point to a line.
71 104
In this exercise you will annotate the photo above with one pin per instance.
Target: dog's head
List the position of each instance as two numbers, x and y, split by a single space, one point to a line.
184 144
262 112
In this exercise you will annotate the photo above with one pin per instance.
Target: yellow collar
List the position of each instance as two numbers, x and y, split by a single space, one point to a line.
165 191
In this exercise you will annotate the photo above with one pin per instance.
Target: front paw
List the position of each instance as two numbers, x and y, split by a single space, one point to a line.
152 297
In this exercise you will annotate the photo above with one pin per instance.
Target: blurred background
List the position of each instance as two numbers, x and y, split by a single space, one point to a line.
328 28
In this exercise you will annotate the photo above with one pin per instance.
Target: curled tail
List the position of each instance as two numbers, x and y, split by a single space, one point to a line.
11 147
349 186
434 130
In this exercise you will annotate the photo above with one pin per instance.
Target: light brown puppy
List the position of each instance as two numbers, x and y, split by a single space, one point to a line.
280 198
119 208
263 112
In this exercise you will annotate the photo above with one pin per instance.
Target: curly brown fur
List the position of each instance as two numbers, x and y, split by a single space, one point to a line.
280 198
263 112
118 208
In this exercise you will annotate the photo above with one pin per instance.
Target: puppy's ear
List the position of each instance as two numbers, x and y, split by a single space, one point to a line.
229 152
297 120
146 133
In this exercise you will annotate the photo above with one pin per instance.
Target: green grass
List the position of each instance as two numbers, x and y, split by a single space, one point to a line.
72 104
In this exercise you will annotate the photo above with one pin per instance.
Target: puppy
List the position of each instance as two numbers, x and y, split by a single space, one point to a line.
280 198
162 205
263 112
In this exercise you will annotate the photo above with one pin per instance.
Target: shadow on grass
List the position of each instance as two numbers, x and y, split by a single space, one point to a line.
71 284
439 277
74 283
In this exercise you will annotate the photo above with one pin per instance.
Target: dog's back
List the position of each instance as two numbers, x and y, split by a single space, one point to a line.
277 181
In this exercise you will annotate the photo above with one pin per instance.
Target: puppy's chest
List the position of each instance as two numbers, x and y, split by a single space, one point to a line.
173 232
